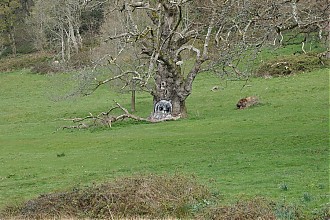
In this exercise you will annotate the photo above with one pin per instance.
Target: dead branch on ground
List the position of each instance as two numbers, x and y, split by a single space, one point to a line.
107 118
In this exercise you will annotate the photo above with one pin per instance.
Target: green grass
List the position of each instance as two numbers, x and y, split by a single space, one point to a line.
278 150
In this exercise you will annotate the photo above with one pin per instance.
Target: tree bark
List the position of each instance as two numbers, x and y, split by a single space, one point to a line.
13 42
328 40
169 81
72 36
62 45
169 85
133 97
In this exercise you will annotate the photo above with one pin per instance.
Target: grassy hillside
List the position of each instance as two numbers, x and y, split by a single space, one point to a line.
278 150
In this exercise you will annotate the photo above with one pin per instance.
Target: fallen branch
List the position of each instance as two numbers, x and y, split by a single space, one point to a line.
107 119
79 126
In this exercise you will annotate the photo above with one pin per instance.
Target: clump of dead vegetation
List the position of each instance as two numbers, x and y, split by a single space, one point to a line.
147 196
24 61
151 197
293 64
257 208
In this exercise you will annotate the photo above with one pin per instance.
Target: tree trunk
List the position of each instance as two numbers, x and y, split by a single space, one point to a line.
72 37
328 45
133 97
13 42
169 85
179 107
62 45
79 41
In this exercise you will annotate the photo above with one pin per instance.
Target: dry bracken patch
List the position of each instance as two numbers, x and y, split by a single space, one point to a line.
147 196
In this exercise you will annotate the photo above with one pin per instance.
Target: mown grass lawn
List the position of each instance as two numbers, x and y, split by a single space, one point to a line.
278 150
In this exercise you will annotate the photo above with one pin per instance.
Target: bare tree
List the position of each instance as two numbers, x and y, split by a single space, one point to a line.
164 44
157 45
56 25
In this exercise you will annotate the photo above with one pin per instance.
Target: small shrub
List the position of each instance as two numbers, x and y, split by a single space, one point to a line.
323 213
26 61
49 67
307 197
289 212
80 60
292 64
284 187
257 208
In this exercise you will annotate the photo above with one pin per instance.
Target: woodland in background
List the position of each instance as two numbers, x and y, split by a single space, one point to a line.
74 31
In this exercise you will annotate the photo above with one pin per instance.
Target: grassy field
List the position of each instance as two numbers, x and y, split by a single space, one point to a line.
278 150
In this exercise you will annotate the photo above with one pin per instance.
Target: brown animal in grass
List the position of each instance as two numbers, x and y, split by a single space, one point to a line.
247 102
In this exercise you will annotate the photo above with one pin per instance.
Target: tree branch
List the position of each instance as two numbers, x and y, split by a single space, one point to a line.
200 60
187 47
106 119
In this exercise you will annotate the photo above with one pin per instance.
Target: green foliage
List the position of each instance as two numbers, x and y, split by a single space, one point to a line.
287 212
238 153
9 17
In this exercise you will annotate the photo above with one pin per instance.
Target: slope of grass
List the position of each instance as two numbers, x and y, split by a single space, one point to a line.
278 150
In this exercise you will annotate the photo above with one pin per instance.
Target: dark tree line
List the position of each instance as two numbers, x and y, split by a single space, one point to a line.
34 25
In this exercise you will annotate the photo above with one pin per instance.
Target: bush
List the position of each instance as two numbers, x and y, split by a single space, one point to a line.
152 197
49 67
147 196
257 208
80 60
26 61
293 64
43 63
322 213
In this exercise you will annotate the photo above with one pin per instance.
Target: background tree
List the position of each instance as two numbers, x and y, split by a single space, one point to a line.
57 25
9 14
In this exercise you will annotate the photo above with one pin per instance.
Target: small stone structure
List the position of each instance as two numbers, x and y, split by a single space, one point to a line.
162 110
